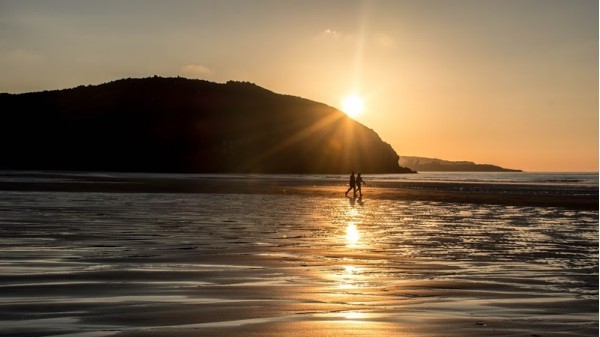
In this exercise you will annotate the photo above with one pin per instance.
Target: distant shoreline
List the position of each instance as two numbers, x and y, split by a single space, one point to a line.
478 193
423 164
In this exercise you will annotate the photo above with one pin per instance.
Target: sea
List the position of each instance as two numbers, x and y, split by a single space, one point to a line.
557 179
182 264
589 179
563 184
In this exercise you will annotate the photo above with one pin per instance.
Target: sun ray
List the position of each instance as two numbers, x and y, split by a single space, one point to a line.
295 138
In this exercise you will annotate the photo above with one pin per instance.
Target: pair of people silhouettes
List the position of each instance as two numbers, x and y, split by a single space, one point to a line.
355 184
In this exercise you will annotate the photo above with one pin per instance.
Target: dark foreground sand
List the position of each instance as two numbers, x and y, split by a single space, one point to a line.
272 258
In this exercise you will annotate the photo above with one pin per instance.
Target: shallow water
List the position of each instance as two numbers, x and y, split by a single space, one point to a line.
140 264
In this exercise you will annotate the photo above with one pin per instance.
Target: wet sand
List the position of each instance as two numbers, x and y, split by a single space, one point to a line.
277 259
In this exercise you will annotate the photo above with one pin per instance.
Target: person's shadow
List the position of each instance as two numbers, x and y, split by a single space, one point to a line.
351 200
355 200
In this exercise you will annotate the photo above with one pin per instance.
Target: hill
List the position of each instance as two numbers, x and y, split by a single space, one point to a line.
181 125
434 164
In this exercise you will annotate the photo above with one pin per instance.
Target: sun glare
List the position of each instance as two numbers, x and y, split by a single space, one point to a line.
353 105
352 234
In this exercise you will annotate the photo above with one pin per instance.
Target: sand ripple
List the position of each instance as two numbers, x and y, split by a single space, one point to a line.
136 264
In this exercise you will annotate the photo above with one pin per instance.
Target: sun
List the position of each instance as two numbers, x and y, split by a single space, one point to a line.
353 105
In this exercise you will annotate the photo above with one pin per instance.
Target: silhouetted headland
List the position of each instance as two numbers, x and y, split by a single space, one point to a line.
181 125
434 164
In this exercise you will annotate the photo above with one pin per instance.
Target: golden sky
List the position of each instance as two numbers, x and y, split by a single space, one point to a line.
506 82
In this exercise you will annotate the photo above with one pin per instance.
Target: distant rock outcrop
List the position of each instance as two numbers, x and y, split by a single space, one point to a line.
180 125
434 164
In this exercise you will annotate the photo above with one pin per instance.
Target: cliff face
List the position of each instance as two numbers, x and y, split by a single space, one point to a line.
434 164
180 125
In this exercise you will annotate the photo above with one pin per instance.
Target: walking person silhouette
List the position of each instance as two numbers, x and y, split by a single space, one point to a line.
359 182
352 183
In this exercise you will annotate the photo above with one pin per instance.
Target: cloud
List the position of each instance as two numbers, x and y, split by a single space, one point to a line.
196 70
330 33
333 35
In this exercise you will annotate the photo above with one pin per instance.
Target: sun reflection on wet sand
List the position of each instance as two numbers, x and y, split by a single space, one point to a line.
349 278
227 265
355 315
352 235
352 212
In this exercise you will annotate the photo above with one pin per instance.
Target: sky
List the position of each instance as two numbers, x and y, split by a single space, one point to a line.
507 82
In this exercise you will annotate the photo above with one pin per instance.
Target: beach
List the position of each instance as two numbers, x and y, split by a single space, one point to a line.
234 255
498 191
